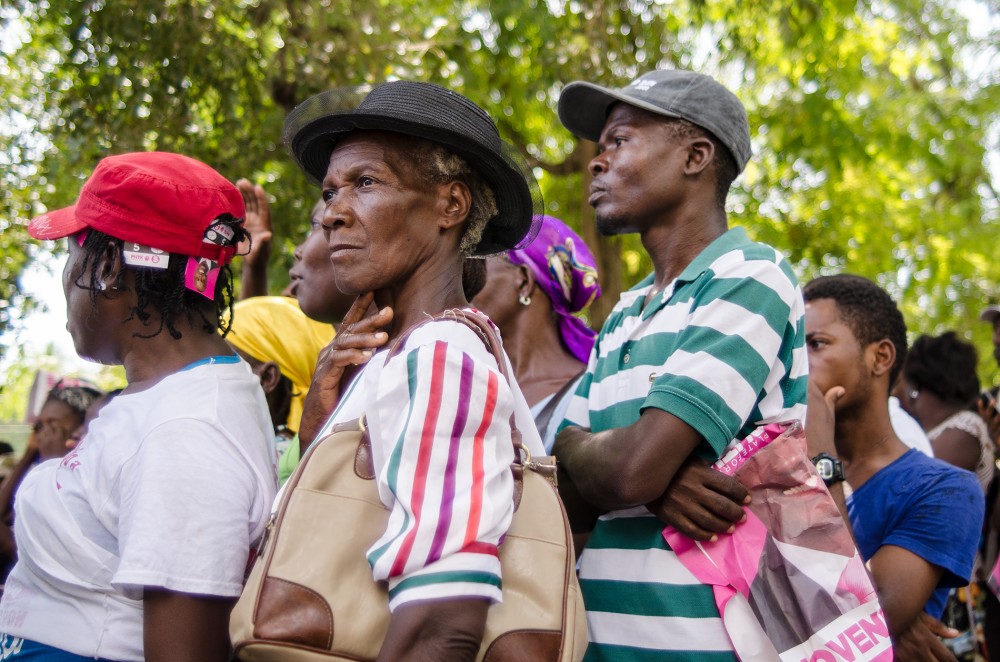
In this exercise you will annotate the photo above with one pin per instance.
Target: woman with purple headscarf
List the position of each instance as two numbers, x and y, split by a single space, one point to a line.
532 295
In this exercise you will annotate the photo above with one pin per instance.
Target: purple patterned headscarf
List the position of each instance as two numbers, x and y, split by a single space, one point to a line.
566 271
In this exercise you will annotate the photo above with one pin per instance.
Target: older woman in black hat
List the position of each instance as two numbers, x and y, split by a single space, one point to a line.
414 180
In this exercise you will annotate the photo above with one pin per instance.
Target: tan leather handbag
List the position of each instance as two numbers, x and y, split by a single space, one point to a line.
311 595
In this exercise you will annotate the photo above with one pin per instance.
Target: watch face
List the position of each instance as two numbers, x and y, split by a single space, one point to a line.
825 468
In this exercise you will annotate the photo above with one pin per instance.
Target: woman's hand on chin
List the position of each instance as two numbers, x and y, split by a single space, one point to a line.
360 335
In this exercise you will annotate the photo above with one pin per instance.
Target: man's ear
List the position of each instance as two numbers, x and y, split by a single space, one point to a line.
455 202
270 376
701 152
883 356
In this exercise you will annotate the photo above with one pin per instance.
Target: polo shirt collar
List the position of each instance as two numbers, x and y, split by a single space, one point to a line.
731 239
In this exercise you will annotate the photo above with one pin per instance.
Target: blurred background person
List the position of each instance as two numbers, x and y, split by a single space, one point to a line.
7 459
281 345
64 411
532 295
320 300
256 252
908 428
311 281
939 388
987 408
52 436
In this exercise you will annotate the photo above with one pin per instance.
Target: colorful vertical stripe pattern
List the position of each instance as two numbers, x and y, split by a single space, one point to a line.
722 348
439 417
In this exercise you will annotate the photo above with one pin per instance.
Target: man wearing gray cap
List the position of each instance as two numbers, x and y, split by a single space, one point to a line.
701 352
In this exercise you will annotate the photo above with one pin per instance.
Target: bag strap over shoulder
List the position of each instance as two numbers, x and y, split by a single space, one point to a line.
487 334
477 323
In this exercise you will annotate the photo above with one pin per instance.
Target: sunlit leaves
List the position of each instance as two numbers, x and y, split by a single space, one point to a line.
870 120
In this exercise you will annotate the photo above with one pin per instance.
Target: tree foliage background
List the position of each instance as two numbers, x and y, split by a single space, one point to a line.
871 120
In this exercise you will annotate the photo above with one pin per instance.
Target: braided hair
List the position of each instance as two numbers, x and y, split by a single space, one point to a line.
161 290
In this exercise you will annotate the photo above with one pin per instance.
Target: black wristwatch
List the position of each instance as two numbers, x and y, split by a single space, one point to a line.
830 469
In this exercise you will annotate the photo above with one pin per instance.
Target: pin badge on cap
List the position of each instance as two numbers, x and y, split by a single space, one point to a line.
201 273
138 255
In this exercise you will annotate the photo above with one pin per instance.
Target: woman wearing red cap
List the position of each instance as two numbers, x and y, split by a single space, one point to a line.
134 546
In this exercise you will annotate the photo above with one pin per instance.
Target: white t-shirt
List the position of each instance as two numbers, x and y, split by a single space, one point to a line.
907 428
170 488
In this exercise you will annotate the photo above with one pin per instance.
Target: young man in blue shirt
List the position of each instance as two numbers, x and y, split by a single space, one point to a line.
916 520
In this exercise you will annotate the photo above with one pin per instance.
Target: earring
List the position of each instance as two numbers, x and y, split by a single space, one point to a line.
524 299
913 394
102 286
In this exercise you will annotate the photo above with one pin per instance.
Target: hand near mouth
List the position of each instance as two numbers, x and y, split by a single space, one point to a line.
360 335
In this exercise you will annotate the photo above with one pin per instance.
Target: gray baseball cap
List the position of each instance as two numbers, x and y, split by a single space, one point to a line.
697 98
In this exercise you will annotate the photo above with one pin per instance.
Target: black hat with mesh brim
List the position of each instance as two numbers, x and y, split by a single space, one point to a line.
434 113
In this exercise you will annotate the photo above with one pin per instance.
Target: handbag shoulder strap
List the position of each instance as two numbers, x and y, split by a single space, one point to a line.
484 330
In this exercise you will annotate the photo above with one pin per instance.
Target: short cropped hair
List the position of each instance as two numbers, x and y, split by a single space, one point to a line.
866 309
945 365
436 164
723 162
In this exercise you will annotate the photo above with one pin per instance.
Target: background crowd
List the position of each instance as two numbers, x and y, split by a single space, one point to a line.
716 340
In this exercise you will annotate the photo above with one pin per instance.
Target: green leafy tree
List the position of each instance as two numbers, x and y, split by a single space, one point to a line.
871 121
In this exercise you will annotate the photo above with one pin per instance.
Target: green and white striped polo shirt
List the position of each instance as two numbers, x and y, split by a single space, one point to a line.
723 349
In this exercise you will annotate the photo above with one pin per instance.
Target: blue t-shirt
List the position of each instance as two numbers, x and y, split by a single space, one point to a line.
926 506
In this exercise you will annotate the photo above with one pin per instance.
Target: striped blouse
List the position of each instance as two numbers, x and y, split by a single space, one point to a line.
439 417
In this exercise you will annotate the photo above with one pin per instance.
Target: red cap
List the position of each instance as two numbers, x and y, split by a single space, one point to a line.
157 199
